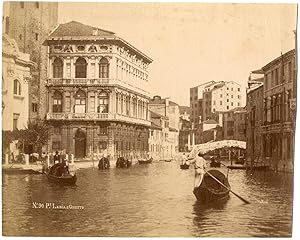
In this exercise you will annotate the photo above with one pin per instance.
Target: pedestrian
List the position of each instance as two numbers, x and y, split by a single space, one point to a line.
200 166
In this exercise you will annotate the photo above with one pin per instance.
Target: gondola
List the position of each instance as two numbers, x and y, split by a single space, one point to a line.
184 166
210 190
215 164
145 161
61 174
123 163
103 163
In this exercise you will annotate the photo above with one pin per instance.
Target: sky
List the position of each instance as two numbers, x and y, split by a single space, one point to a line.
194 43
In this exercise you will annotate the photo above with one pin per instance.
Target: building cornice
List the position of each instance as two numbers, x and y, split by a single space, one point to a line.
99 38
279 59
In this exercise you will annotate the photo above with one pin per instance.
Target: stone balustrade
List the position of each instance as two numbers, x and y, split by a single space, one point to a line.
97 117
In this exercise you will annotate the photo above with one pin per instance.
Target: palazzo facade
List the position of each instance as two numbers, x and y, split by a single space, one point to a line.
97 100
278 128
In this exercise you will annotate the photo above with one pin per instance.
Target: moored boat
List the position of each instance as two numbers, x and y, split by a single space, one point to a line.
62 174
210 190
184 166
104 163
148 161
123 163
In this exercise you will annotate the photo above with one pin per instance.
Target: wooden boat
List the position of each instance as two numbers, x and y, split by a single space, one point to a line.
215 164
184 166
210 190
145 161
60 173
123 163
104 163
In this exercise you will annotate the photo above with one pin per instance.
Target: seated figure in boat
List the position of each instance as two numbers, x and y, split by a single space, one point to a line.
200 166
214 163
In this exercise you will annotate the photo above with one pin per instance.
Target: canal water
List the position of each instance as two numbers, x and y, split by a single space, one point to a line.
146 200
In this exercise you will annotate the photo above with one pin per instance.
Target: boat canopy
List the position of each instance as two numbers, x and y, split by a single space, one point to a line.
211 146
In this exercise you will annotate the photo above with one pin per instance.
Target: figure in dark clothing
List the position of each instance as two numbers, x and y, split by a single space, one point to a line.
56 157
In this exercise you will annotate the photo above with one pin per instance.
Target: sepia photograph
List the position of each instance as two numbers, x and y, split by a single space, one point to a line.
162 119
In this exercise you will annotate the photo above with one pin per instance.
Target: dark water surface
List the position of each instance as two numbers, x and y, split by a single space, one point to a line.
147 200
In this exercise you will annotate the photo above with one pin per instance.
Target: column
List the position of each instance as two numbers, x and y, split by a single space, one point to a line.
49 73
137 107
50 100
147 111
64 68
97 67
88 68
64 138
111 140
72 100
72 68
96 101
89 140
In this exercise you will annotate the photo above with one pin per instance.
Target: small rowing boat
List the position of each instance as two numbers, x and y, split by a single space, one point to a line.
148 161
184 166
210 190
62 174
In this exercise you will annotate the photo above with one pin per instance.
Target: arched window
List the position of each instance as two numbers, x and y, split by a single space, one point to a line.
17 87
80 100
57 102
103 68
102 103
57 68
80 68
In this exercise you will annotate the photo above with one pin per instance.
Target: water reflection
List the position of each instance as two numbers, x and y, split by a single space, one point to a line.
153 200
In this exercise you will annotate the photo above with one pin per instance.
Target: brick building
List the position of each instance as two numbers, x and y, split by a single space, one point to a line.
29 24
97 99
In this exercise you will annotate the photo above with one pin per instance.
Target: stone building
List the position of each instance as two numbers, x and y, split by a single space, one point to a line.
184 128
254 121
29 24
221 97
234 124
196 97
161 144
97 99
184 135
278 129
169 109
16 76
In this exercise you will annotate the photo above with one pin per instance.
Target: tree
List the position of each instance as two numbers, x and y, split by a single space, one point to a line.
36 134
7 138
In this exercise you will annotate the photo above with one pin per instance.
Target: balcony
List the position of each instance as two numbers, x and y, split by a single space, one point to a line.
67 82
96 117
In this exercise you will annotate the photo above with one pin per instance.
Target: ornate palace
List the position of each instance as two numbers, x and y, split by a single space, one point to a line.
97 100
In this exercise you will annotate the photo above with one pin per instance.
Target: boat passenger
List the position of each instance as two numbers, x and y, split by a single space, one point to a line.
56 157
200 166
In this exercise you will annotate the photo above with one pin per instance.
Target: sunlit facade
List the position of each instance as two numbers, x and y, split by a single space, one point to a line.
97 98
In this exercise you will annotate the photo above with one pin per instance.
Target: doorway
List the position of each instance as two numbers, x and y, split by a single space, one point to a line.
80 144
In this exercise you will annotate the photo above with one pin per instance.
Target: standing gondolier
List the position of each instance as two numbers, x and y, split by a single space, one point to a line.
200 166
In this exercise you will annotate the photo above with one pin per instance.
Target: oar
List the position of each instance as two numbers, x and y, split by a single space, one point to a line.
244 200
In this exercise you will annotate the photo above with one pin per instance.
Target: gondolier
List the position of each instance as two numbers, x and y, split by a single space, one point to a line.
200 166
